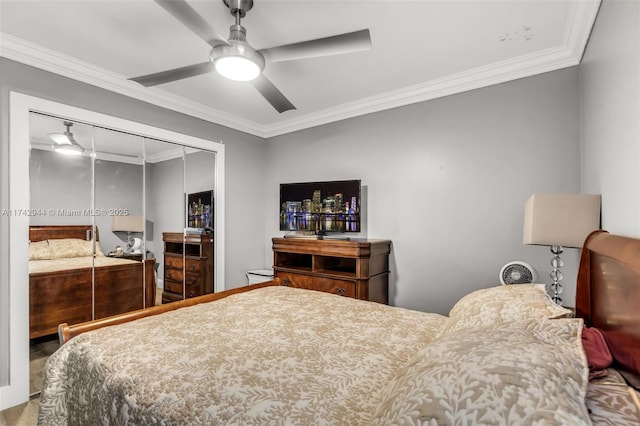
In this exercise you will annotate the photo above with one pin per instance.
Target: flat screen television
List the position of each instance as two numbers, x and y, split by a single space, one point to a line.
320 207
200 210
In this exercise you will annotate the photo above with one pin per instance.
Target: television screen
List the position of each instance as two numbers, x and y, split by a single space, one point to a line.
200 210
320 207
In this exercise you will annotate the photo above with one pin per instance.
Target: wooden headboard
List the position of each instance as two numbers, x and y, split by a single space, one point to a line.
608 296
55 232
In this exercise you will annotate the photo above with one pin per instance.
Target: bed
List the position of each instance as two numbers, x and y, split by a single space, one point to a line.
61 265
271 354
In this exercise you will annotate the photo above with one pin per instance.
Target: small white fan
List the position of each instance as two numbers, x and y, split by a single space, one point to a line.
517 272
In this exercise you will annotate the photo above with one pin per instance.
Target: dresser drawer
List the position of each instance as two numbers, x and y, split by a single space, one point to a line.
192 279
173 286
341 287
171 297
173 261
192 291
192 265
173 274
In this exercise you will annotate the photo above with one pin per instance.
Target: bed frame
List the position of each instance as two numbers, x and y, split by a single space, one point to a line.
608 297
66 332
66 296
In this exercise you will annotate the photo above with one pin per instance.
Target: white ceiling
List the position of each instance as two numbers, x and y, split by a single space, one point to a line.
421 50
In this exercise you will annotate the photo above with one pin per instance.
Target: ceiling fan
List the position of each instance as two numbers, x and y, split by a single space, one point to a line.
234 58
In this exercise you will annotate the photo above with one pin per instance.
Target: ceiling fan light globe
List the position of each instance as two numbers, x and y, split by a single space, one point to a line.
238 68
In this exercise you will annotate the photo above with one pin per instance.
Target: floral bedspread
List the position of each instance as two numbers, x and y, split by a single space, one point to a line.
275 355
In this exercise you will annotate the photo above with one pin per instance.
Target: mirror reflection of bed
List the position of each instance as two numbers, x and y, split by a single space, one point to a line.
120 174
120 178
72 281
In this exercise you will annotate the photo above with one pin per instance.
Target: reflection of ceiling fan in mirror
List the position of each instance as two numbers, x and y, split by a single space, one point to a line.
234 58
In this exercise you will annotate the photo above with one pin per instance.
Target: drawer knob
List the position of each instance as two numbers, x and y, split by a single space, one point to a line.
192 293
286 281
192 267
340 291
193 281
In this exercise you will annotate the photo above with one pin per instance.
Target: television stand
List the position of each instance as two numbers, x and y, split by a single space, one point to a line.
356 268
333 237
318 237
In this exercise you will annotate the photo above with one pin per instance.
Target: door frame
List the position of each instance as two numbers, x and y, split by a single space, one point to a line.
20 105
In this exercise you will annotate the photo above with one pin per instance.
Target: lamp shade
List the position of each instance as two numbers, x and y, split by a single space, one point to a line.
127 224
560 219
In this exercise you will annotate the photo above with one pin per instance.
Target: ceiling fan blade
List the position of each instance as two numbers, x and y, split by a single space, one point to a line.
184 13
174 74
334 45
272 94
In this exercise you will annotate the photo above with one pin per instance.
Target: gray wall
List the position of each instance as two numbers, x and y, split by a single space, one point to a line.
59 182
168 181
610 105
64 182
118 186
244 167
446 181
199 171
167 193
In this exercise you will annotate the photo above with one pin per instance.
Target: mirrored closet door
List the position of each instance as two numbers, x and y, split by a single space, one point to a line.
110 204
61 231
123 222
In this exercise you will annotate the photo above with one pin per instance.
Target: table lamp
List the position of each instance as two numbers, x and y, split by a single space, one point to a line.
560 220
128 224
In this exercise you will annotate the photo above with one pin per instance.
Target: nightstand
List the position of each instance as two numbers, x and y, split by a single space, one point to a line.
131 256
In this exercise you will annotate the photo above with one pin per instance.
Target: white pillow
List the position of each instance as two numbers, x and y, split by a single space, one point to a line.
40 250
505 303
73 247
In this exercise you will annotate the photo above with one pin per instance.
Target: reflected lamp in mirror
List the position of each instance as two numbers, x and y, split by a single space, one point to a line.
130 225
65 143
560 220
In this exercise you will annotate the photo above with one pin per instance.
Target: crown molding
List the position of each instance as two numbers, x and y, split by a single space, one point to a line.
500 72
28 53
578 28
580 21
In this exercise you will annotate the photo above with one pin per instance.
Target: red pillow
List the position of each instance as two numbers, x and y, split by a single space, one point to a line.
595 347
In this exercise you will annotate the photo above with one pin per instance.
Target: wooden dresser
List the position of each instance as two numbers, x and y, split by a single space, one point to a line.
188 265
353 268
